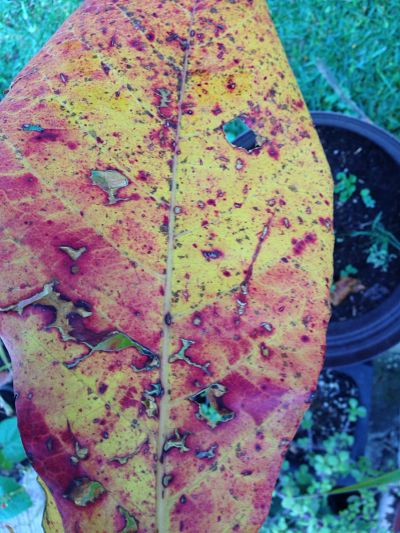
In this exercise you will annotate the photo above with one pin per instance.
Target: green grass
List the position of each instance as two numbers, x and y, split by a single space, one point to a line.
25 25
355 41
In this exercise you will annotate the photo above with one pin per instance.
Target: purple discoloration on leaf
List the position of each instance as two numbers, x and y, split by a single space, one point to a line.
163 291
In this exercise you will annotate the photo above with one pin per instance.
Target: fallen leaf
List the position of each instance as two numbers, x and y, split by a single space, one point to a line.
164 291
343 287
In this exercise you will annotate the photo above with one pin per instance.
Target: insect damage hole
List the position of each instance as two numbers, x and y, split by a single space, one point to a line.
240 135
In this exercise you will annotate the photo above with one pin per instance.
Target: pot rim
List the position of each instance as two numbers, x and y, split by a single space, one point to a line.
374 133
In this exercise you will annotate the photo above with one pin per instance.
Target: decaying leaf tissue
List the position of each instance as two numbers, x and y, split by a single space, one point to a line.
164 292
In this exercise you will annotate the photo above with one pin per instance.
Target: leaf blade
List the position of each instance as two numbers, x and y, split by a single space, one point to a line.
384 479
222 269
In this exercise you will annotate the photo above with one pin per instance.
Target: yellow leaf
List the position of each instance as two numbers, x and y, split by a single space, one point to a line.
165 284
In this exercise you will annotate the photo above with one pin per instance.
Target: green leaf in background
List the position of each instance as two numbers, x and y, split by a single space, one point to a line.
385 479
345 186
348 270
367 198
8 410
11 449
13 498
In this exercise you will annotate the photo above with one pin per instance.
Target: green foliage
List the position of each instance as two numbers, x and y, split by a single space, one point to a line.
355 410
25 25
381 240
11 449
13 498
389 478
300 500
357 40
345 186
379 256
367 198
348 270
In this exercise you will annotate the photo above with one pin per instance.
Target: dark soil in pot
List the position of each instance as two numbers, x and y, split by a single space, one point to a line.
331 403
329 409
350 154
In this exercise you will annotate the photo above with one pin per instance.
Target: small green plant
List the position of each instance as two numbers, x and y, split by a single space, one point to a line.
367 198
13 497
348 270
300 501
345 186
381 240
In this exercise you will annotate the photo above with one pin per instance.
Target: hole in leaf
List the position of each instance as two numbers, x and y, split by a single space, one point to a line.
211 407
240 135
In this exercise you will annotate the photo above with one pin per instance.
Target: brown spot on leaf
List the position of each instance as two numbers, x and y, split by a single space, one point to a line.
84 491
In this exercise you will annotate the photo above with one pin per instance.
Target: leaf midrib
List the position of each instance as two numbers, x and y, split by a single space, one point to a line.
162 517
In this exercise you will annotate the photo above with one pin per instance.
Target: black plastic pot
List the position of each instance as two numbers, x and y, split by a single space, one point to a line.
356 340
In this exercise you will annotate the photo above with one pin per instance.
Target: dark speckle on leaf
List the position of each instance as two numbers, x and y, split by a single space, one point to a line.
211 254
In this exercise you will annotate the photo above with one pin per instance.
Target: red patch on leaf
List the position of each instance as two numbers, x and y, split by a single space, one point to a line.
137 44
299 245
128 400
46 452
216 110
18 187
257 399
273 151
